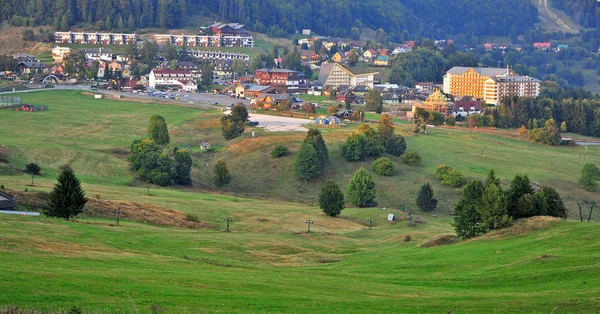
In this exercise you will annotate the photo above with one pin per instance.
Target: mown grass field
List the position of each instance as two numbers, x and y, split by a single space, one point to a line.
268 263
51 264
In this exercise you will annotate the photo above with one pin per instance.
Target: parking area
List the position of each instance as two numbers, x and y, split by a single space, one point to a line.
279 124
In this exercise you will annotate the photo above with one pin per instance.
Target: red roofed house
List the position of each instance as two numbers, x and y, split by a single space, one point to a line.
180 79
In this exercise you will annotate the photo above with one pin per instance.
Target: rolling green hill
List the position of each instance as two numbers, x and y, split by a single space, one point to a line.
269 263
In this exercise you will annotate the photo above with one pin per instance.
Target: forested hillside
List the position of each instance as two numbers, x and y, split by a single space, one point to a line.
584 12
399 18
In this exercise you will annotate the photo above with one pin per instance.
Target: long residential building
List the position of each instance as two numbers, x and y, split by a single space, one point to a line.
334 74
94 38
213 56
180 79
219 35
489 84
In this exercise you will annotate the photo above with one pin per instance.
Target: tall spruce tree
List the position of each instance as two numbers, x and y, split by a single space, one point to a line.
426 201
314 138
467 219
67 199
157 130
519 187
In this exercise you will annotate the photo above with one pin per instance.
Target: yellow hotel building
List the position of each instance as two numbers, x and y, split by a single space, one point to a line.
489 84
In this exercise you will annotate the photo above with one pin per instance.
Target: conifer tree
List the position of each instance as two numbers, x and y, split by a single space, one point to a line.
67 199
307 165
426 200
331 199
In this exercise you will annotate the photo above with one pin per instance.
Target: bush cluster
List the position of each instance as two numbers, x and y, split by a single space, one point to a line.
449 176
279 151
411 159
384 167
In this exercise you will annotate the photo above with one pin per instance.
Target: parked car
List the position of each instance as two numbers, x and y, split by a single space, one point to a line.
253 123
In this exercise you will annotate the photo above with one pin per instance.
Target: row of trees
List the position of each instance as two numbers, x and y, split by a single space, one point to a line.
360 191
484 206
155 165
126 15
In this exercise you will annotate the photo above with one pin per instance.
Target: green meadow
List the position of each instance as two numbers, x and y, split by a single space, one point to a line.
269 263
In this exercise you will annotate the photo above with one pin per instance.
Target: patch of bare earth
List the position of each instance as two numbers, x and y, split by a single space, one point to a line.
135 211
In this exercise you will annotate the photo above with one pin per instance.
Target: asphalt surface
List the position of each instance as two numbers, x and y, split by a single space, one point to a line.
205 100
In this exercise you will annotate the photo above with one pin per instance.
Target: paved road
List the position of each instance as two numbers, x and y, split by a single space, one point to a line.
203 100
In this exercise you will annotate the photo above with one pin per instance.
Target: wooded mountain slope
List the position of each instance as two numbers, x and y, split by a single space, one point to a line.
281 17
584 12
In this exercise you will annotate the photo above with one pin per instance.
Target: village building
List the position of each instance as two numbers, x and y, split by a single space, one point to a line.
59 53
94 38
465 108
334 74
213 56
253 91
32 67
285 80
178 79
337 57
193 67
219 35
436 102
489 84
382 61
309 56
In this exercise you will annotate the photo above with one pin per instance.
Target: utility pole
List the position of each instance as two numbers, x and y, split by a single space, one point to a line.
592 204
32 178
227 220
309 222
580 215
118 215
371 221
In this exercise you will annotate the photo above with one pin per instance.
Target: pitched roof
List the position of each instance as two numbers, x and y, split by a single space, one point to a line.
33 64
168 71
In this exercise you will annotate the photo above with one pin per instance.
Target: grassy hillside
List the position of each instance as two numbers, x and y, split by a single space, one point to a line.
269 263
93 137
52 264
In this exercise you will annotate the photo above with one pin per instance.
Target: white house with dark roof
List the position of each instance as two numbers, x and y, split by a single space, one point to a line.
180 79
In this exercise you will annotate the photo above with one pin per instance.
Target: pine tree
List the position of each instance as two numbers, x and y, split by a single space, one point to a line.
493 207
67 199
491 178
314 138
361 189
157 130
331 199
222 175
425 199
467 220
307 165
239 112
555 205
519 187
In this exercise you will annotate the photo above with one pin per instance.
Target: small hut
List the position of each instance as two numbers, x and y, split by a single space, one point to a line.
205 145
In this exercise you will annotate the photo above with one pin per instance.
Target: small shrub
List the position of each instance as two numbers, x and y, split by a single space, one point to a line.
190 217
279 151
384 167
33 168
441 171
98 196
26 190
454 178
407 238
75 310
411 159
2 187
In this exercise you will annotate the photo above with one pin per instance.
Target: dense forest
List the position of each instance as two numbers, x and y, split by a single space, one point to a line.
427 18
584 12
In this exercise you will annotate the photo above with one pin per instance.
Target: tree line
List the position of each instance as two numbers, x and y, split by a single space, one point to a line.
281 18
126 15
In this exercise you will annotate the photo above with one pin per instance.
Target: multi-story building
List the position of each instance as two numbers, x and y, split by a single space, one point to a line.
219 35
213 56
333 74
94 38
489 84
286 79
179 79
